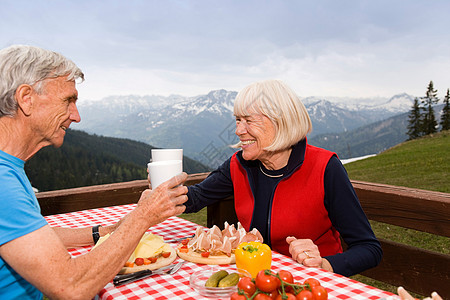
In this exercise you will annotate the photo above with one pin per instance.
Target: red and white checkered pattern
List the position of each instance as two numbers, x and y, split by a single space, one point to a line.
177 286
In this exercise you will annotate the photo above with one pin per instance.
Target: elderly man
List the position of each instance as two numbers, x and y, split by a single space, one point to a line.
37 104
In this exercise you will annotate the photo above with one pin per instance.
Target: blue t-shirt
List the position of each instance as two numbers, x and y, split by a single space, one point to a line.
20 214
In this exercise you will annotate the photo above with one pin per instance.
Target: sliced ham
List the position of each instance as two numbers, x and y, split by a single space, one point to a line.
206 242
249 237
226 246
216 231
228 230
258 235
216 245
225 241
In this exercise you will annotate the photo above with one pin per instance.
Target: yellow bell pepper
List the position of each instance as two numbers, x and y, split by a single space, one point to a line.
253 257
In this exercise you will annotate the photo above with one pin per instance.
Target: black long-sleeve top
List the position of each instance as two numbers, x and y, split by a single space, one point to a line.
344 210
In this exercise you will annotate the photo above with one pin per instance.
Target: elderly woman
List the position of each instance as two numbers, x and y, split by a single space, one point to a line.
298 196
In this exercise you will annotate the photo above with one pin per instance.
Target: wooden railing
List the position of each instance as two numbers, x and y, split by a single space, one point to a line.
416 269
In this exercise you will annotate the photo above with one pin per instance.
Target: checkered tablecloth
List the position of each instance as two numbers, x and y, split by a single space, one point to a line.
177 286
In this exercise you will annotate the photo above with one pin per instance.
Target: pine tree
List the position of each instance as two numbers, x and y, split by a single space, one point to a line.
429 121
415 122
445 117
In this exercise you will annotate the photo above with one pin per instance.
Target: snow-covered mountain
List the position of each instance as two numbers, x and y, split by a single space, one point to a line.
204 125
395 104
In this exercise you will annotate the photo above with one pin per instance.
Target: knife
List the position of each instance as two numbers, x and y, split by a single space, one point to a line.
179 239
127 278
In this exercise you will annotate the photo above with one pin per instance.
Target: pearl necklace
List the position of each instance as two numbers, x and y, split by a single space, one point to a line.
271 176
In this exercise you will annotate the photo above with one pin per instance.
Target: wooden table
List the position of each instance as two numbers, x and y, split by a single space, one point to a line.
177 286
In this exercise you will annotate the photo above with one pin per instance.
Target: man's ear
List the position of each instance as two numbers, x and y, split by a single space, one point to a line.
24 98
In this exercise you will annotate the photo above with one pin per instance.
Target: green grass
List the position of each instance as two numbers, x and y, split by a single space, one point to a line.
198 217
422 164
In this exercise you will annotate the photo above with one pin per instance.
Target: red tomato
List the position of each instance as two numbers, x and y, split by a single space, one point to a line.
165 254
185 241
319 292
286 276
139 261
236 296
289 297
205 254
246 285
305 295
312 282
266 283
262 296
274 294
153 259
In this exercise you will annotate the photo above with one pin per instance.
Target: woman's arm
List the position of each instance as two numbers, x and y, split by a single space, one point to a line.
217 186
347 216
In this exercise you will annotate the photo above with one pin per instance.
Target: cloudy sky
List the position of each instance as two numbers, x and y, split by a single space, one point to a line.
347 48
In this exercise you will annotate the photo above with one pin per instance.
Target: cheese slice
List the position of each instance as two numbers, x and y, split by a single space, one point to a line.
149 245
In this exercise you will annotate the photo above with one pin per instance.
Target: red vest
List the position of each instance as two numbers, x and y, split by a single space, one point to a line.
297 208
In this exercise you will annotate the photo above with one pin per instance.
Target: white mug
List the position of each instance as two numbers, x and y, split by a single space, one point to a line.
160 171
167 154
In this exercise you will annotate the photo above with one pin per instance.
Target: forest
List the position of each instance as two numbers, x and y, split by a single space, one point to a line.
85 160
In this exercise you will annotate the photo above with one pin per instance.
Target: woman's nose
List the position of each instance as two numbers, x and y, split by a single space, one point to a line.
240 128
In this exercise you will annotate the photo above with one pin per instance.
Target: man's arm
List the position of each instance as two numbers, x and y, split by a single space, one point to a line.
75 237
42 259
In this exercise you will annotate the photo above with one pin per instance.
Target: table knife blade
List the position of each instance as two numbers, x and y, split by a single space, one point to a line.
131 277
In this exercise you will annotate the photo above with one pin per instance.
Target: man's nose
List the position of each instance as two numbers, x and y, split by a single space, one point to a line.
74 113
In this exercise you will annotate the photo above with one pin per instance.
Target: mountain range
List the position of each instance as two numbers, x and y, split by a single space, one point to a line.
204 125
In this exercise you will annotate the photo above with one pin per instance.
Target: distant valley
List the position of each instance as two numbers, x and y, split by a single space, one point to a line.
204 125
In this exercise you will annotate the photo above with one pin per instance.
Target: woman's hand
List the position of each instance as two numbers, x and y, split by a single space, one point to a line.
404 295
307 253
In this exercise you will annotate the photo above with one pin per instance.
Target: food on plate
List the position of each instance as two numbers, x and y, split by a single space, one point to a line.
151 253
215 246
253 257
279 285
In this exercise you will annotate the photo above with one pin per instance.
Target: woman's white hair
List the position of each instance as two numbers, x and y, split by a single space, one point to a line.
22 64
275 100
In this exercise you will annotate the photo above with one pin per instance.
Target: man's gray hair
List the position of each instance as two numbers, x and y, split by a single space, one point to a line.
21 64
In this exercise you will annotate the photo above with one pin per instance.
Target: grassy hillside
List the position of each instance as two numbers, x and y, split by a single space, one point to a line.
422 163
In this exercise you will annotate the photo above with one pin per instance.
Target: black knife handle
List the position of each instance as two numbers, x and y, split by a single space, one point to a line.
126 278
